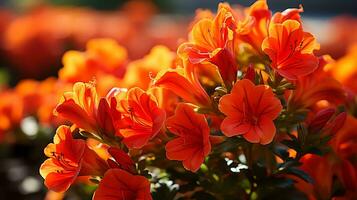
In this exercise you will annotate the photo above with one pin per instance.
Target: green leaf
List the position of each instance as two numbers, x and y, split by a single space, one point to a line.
292 144
300 174
302 134
281 152
164 192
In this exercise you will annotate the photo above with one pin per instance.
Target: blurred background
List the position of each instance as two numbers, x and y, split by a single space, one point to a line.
34 34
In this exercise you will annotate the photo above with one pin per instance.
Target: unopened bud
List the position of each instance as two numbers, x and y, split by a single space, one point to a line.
337 123
320 119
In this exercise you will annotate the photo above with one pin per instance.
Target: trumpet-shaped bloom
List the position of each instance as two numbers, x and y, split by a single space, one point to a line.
209 36
250 112
193 142
165 98
118 184
212 40
184 83
255 26
142 118
83 108
79 106
291 49
69 158
315 87
253 29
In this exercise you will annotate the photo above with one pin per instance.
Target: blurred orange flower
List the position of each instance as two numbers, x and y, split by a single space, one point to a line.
102 56
317 86
345 69
159 58
250 112
11 112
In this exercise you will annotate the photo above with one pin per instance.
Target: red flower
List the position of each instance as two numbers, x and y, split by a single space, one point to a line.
291 49
69 159
250 112
142 118
193 142
121 160
83 108
118 184
321 171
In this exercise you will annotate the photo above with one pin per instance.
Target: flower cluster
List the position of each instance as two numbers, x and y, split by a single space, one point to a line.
245 107
33 42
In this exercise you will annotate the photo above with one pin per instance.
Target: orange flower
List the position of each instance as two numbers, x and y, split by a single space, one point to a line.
345 69
320 169
99 148
103 61
118 184
253 29
11 111
69 159
250 112
315 87
291 13
166 99
51 91
159 58
337 165
212 40
291 49
184 82
82 108
142 118
103 56
193 142
30 91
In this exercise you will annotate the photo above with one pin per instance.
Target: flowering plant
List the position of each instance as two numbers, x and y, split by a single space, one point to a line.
244 110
